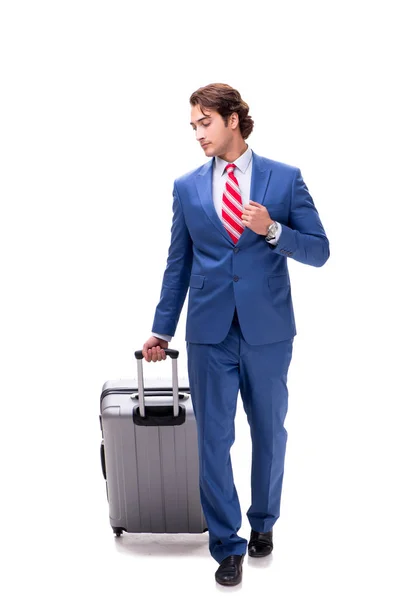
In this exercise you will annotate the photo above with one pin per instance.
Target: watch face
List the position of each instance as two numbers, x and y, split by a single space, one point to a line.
272 229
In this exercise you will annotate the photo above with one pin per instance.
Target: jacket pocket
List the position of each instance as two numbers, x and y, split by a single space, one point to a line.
278 282
196 281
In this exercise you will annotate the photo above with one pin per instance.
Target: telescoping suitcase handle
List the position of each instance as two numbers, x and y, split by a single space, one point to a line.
175 386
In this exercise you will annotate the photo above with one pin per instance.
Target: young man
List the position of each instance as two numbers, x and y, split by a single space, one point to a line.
236 221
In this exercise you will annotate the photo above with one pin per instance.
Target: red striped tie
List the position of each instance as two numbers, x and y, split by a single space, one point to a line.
232 206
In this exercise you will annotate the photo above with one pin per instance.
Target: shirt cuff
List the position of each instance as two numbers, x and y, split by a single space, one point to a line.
166 338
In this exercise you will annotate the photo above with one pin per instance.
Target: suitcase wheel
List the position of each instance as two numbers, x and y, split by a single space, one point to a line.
118 531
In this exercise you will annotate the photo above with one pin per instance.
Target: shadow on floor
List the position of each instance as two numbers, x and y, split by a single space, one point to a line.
193 544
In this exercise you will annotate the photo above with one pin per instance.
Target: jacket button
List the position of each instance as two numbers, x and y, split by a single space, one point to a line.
235 278
236 250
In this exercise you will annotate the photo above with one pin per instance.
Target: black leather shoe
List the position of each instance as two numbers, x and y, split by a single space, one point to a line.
260 544
229 571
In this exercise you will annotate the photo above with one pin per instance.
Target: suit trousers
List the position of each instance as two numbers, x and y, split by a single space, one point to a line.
217 372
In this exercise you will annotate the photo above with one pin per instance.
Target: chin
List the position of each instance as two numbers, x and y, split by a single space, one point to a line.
208 151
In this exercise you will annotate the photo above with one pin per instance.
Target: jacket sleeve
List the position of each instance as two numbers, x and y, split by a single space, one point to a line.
177 273
304 239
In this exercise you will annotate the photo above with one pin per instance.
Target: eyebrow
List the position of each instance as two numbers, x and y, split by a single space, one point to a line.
198 120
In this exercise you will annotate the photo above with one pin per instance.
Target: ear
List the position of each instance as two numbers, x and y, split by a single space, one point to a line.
234 120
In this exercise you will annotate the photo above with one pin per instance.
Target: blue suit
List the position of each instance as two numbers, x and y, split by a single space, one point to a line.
239 333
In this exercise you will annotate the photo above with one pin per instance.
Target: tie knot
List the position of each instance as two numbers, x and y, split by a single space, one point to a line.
230 168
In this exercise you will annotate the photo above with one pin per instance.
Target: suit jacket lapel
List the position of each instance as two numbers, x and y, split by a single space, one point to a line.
260 175
204 188
259 179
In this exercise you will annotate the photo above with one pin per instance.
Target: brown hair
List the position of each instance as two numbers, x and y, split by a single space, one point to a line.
225 100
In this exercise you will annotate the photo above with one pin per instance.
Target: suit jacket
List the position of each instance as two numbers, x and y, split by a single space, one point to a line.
251 275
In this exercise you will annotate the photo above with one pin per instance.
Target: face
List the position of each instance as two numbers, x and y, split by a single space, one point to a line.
215 137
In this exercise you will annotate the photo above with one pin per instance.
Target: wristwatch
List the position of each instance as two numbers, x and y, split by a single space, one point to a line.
272 231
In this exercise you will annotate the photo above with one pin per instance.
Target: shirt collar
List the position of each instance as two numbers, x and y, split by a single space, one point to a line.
242 163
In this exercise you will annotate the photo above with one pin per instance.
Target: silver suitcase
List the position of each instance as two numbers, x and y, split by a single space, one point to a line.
149 455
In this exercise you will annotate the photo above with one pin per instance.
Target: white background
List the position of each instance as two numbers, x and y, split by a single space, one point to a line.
94 130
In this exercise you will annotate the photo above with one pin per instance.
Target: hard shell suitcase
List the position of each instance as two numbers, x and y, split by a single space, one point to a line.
149 455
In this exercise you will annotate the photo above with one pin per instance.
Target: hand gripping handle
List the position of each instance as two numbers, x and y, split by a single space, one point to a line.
175 386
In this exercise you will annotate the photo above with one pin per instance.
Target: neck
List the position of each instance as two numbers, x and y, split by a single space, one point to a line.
234 152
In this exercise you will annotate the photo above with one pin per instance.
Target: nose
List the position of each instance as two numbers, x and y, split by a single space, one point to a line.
199 134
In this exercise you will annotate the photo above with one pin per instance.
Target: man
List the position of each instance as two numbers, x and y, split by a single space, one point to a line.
236 221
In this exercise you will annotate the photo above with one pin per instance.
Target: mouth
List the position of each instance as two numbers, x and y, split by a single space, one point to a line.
204 145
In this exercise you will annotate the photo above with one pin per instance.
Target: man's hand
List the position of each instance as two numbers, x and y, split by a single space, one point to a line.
153 349
256 217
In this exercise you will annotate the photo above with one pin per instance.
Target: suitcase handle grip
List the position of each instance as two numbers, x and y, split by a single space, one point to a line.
168 352
175 386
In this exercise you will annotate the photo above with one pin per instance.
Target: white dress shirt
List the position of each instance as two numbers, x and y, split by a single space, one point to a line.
244 167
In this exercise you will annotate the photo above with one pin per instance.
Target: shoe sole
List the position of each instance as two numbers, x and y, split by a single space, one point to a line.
259 555
229 583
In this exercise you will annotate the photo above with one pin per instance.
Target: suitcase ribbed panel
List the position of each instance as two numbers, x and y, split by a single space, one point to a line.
152 472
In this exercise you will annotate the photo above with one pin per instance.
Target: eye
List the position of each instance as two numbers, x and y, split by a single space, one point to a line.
201 125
